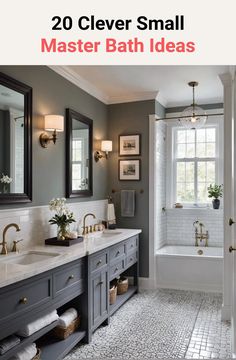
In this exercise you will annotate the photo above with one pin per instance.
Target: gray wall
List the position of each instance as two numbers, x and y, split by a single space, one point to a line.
51 95
132 118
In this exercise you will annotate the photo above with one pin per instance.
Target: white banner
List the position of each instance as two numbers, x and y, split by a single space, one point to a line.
118 32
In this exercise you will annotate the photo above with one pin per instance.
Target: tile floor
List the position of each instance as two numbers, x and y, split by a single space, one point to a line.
162 324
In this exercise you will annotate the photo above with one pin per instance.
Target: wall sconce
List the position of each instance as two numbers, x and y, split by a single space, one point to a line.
106 146
51 123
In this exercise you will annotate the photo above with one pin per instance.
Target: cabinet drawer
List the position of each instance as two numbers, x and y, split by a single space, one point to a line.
116 269
131 258
25 298
98 261
131 244
116 252
67 278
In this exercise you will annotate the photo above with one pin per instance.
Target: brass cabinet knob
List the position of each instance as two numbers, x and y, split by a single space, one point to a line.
23 300
231 222
71 277
101 282
116 269
118 253
231 249
99 262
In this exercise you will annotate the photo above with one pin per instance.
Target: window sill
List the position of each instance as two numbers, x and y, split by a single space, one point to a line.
197 209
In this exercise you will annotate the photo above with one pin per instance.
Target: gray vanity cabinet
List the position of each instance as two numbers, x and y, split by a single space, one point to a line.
99 298
97 289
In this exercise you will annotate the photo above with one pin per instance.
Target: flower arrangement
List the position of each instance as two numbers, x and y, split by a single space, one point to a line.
63 217
5 181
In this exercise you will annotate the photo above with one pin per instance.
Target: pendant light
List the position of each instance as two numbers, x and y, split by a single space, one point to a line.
193 117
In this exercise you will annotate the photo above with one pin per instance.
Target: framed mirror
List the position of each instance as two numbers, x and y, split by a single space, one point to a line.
15 141
79 147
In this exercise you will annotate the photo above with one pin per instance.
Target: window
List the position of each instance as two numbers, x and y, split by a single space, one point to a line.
195 164
77 166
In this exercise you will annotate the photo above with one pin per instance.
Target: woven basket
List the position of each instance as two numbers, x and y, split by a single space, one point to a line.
63 333
37 356
112 294
122 286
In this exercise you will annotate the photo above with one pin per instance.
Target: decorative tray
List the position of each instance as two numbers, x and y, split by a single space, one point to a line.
66 242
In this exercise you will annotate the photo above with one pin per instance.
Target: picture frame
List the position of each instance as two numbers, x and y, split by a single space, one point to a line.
129 170
130 145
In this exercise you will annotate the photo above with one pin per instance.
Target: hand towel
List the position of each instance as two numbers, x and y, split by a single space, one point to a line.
8 343
38 324
127 203
26 353
111 213
67 317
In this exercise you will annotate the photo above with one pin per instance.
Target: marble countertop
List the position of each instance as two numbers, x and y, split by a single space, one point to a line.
11 273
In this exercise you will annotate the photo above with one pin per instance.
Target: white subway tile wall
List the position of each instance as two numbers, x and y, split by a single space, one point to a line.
180 229
34 224
160 184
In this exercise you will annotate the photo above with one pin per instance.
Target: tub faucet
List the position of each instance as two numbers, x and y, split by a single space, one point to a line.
199 234
4 243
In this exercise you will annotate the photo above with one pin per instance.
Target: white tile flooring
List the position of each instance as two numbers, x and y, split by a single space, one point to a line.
162 324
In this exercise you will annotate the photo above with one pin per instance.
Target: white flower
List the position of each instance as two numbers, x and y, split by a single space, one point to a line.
5 179
58 205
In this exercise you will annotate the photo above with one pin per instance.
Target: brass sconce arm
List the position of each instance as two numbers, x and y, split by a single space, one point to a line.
44 138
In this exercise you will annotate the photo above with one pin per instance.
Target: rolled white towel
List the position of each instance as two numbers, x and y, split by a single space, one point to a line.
67 317
26 353
38 324
8 343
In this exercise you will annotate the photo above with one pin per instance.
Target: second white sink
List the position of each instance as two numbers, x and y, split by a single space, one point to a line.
30 257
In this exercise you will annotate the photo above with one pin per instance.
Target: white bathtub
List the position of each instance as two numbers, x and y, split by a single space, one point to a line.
185 267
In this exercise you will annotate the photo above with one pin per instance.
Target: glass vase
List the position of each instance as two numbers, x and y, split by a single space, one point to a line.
62 232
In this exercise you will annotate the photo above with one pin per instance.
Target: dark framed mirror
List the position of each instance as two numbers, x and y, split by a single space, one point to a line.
79 147
15 141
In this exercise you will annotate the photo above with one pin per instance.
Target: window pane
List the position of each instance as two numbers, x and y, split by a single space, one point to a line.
180 172
189 172
190 136
201 135
201 150
180 192
181 136
189 195
181 151
211 172
201 172
202 192
210 150
190 150
211 135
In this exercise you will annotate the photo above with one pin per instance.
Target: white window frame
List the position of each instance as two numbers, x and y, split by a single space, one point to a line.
172 125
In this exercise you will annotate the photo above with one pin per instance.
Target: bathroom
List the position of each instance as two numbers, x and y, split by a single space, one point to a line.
167 286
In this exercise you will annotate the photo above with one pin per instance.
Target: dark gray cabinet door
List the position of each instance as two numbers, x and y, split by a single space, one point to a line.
99 298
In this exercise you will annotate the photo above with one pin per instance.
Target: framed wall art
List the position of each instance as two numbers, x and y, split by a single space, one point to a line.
129 145
129 169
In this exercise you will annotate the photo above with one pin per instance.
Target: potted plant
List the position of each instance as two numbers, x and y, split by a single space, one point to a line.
63 217
215 191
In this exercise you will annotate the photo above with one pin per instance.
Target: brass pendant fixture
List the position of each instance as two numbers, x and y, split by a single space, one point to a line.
193 117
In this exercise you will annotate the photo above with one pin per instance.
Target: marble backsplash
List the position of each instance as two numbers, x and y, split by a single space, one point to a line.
34 225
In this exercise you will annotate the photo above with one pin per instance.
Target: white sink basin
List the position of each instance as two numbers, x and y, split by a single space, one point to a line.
104 234
28 258
110 233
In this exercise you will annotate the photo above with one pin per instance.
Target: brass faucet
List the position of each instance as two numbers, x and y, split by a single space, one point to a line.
86 228
4 243
200 235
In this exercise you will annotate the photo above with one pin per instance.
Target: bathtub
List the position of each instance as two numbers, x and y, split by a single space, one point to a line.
190 268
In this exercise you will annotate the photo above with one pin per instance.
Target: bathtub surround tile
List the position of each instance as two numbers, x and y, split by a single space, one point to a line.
162 324
180 230
160 175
